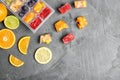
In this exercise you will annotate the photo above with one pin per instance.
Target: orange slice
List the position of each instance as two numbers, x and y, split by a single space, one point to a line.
7 38
15 61
23 44
3 12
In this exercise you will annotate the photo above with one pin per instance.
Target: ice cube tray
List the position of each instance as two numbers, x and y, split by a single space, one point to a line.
33 13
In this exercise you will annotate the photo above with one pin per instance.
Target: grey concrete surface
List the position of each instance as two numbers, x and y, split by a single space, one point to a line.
93 55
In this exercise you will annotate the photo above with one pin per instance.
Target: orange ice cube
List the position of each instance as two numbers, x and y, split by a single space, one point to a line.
38 7
28 17
60 25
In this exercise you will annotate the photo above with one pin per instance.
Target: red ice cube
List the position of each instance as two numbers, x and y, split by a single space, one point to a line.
45 13
68 38
65 8
34 24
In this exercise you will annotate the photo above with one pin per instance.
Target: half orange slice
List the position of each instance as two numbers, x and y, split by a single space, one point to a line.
15 61
23 44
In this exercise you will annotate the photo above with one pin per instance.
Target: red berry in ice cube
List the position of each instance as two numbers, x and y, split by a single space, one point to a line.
65 8
68 38
45 13
35 23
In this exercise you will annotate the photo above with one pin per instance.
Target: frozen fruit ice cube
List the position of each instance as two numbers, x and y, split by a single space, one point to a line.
68 38
8 2
31 3
80 4
28 17
16 5
38 7
46 38
81 22
35 23
21 14
25 8
65 8
45 12
23 11
60 25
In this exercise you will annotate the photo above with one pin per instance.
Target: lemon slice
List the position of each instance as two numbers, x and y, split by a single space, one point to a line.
43 55
11 22
15 61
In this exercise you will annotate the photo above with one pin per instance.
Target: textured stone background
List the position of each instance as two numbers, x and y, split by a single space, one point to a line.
93 55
